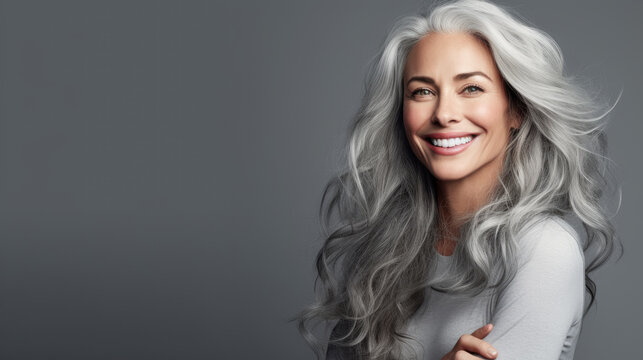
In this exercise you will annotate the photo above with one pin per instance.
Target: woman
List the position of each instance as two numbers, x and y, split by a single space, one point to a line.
470 152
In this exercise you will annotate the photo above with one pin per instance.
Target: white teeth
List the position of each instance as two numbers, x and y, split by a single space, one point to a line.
447 143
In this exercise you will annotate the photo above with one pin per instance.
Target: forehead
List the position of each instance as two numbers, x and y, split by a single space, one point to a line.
448 54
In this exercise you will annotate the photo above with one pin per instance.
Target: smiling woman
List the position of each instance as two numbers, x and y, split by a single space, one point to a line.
455 100
471 153
452 105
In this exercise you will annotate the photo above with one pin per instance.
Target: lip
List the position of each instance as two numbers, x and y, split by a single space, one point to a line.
450 135
452 150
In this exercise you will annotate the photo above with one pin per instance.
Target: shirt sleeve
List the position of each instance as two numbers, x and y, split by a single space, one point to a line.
534 313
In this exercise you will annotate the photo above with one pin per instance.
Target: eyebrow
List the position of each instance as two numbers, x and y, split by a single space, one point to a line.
458 77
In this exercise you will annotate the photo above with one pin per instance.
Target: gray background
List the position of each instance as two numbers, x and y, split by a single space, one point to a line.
162 162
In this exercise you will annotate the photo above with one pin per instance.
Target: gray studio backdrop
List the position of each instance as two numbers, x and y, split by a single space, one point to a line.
162 162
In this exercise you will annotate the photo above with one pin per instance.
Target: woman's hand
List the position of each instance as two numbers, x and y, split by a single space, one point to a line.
472 343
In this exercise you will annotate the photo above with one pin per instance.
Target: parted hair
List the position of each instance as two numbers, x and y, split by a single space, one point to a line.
380 213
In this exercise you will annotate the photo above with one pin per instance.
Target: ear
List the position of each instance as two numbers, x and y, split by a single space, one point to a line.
516 123
515 120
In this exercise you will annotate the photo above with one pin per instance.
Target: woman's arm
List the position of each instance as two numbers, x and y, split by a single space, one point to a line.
535 312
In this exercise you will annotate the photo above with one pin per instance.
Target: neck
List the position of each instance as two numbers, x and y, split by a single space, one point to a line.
458 199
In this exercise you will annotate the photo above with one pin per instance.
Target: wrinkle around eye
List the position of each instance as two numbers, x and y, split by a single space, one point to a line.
477 91
417 93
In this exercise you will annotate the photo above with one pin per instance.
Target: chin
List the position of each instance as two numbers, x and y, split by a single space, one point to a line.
448 172
448 175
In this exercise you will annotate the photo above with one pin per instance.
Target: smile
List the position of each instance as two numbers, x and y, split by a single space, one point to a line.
442 145
449 143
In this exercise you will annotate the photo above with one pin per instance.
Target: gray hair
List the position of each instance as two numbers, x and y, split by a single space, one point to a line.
374 266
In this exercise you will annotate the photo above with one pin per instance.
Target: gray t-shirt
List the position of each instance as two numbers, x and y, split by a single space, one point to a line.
538 316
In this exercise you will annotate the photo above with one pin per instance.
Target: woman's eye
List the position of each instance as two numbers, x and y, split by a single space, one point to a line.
422 92
472 89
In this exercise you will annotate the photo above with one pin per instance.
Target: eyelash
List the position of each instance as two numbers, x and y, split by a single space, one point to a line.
474 86
479 89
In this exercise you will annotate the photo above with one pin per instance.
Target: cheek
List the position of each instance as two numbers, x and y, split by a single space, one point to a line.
412 117
486 112
490 115
413 120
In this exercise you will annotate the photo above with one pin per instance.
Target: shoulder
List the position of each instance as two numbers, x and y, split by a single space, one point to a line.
550 273
551 262
544 301
554 241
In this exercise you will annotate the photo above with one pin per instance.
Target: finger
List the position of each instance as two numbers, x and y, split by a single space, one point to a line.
472 344
465 355
483 331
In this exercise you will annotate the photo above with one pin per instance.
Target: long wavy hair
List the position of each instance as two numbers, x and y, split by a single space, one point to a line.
380 213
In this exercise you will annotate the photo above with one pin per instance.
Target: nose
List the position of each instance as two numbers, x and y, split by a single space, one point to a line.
447 111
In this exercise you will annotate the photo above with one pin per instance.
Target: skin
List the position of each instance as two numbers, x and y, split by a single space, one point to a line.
474 104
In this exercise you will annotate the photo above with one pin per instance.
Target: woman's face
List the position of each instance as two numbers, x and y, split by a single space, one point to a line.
454 95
